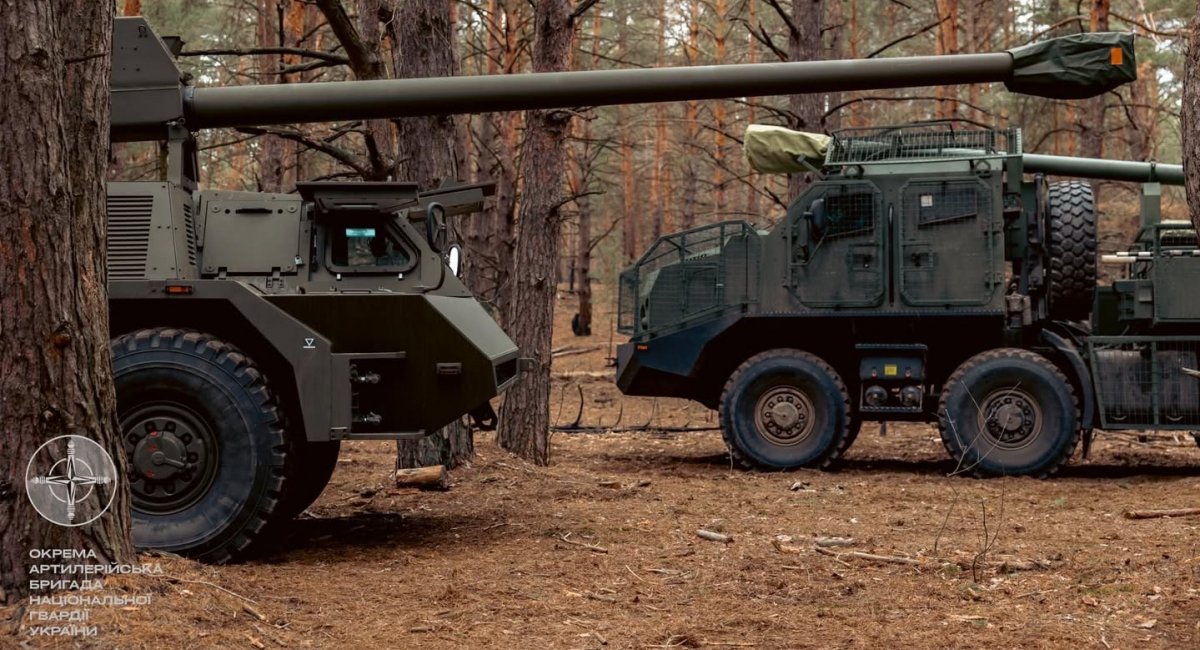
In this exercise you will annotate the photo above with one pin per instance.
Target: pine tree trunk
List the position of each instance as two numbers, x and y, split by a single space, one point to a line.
55 371
426 153
720 35
629 216
525 416
689 209
272 150
427 147
1191 121
947 41
804 44
661 167
1092 125
836 22
491 234
753 180
581 325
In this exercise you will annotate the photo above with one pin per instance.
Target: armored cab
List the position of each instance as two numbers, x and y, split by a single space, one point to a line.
253 332
929 273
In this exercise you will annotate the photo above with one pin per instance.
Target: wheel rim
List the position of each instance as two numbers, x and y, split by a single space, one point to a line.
172 457
1011 418
784 415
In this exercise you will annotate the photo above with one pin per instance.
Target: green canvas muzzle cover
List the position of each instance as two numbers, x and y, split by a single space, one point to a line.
1073 67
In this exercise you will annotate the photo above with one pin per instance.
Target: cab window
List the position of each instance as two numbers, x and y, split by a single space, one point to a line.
366 248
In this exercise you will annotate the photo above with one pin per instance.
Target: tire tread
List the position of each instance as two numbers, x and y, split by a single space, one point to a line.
242 369
944 427
843 440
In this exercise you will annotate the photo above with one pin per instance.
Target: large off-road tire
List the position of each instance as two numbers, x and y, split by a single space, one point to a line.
204 439
1071 237
784 409
310 466
1009 412
852 431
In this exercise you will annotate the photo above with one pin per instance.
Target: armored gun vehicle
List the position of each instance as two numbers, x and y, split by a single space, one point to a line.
930 273
341 295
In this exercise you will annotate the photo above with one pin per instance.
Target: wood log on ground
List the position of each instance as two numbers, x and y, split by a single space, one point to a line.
713 536
423 478
1155 514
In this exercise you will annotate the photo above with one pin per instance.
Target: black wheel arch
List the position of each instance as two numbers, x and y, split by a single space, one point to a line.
225 321
1069 359
723 354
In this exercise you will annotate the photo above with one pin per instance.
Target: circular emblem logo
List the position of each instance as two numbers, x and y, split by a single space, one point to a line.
69 480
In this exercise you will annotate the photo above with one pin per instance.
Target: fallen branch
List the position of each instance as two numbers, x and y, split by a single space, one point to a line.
423 478
173 579
1155 514
591 547
1008 565
871 557
714 536
834 541
567 350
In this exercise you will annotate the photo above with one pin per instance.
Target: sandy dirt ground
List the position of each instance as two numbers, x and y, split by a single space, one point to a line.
600 550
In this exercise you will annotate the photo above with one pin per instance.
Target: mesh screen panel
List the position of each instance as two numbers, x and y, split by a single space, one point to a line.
933 141
1146 381
689 275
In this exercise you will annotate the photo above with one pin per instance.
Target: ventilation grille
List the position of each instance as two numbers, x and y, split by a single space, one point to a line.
128 235
189 224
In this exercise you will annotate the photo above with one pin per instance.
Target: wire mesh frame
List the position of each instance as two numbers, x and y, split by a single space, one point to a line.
1146 382
920 142
936 203
851 208
688 275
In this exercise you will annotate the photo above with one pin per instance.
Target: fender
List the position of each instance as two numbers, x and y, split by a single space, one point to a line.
306 351
1071 354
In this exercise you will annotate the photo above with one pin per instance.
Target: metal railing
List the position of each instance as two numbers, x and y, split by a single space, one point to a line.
927 141
690 276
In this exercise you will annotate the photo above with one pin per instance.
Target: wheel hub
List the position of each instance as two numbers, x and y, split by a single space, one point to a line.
172 457
1011 417
784 415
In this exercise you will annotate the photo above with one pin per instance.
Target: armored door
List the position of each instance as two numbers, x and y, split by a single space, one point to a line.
838 259
947 251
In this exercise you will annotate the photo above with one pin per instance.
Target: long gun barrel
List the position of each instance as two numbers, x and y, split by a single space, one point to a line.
1109 170
149 94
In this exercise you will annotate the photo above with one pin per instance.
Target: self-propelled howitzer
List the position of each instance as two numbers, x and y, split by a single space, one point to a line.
342 295
927 273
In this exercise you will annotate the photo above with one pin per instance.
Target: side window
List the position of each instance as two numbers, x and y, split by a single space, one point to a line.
366 248
849 212
941 203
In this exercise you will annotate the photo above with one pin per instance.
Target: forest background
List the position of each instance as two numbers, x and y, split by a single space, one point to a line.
637 172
